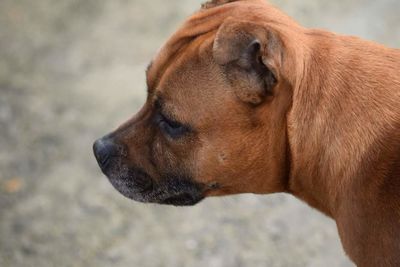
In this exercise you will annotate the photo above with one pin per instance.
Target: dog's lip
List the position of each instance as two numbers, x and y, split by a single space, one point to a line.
137 185
182 199
188 197
148 187
130 183
105 164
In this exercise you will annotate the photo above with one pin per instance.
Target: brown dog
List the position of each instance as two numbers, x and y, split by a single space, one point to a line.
242 99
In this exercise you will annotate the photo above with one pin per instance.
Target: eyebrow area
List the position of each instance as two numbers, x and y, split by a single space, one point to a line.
159 104
160 107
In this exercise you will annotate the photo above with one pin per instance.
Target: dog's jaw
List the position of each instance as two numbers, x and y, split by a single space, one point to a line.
139 186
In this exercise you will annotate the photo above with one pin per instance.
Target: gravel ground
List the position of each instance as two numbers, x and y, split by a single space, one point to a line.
71 70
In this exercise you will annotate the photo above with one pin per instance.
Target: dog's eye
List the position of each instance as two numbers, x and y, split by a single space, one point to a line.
171 128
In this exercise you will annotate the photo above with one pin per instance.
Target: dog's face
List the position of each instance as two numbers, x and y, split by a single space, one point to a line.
213 123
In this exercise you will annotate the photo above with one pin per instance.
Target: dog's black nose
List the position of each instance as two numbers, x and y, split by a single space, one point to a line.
105 149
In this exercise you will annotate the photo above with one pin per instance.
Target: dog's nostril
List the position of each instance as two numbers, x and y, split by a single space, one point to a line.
104 149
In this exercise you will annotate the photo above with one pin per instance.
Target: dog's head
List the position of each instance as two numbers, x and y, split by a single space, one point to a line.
214 122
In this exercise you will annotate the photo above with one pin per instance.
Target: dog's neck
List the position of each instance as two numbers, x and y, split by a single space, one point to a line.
336 128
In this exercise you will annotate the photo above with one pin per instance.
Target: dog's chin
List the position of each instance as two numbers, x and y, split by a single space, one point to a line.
183 199
170 190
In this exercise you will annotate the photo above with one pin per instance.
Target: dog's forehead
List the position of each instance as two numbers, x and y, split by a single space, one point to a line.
173 51
203 23
192 83
187 73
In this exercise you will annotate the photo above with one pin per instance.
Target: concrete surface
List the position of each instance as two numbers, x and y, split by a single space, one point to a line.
71 70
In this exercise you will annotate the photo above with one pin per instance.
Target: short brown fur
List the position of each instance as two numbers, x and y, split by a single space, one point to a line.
329 133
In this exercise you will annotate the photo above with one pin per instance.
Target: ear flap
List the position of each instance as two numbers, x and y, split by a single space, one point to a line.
251 55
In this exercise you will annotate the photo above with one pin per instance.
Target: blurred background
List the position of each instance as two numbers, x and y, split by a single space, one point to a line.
72 70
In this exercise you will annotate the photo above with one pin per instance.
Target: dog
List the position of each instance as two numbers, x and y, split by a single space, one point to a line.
242 99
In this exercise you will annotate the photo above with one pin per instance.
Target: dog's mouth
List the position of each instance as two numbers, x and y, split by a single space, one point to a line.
180 200
171 189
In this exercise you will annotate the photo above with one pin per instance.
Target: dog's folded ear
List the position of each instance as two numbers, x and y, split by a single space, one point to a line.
251 54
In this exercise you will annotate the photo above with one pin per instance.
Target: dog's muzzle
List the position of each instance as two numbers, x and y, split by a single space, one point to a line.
135 183
111 157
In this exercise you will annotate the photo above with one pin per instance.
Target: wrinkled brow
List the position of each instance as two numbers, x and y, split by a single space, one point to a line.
159 103
160 106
